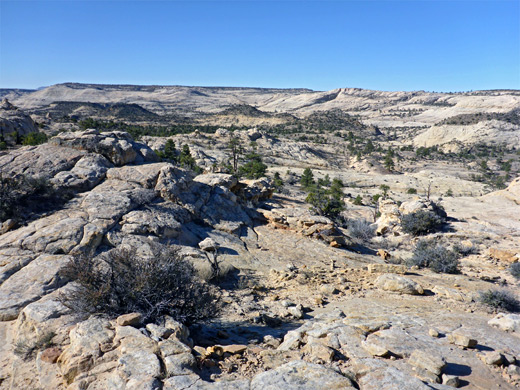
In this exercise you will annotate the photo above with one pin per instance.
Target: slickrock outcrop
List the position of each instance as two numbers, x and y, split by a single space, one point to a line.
14 123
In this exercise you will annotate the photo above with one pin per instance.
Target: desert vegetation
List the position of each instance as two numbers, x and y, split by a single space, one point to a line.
121 282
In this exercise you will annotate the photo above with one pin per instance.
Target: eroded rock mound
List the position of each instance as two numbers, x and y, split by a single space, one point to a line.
14 123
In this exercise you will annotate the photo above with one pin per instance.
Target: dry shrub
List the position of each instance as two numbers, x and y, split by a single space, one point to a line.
120 282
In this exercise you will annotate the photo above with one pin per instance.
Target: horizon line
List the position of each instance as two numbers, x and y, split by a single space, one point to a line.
252 87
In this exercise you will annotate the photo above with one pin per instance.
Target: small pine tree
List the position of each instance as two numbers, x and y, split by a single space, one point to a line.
254 168
307 179
389 162
186 159
277 182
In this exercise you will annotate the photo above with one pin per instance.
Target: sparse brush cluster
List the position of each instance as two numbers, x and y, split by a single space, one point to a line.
500 300
361 229
514 270
21 196
27 349
432 255
120 282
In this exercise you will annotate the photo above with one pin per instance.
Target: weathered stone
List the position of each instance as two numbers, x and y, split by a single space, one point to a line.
318 353
209 245
86 173
234 348
181 382
130 319
292 340
180 364
88 340
506 322
395 341
400 284
450 293
328 289
139 363
116 146
50 355
390 378
492 358
180 331
299 375
426 376
461 340
14 121
296 311
425 360
146 383
44 277
172 346
375 349
508 256
160 332
514 370
450 380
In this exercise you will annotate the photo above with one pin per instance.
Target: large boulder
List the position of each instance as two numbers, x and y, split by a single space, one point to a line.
14 123
116 146
399 284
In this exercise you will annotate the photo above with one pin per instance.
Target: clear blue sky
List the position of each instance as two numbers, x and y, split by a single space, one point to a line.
431 45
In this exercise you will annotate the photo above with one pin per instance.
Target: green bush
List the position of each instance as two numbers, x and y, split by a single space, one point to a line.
254 168
428 254
277 182
421 222
325 203
500 300
121 282
358 201
34 139
515 270
411 191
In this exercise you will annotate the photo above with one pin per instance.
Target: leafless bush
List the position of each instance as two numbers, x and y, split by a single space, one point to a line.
121 282
361 229
500 300
429 254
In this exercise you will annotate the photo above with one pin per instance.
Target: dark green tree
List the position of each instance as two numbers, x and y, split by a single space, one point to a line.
186 159
323 203
277 182
307 179
389 162
254 168
169 152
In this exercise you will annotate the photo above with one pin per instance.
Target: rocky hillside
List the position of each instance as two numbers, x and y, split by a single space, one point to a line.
308 301
418 117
